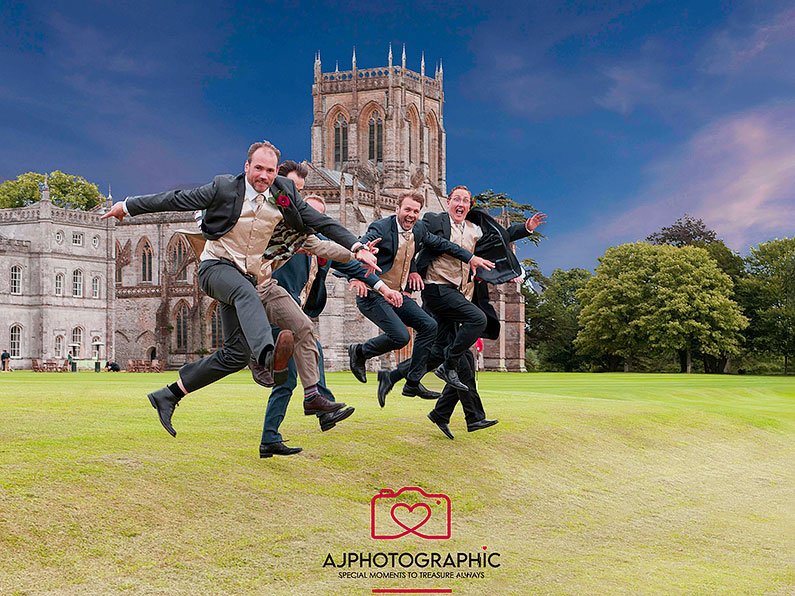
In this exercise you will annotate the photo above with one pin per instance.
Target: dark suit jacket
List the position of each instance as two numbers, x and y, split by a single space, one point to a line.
222 200
494 245
293 275
387 230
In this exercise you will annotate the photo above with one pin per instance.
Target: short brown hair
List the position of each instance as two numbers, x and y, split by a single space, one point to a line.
290 166
413 195
317 198
260 145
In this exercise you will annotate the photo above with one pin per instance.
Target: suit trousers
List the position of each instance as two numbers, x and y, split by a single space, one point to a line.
393 321
245 323
470 399
446 303
280 399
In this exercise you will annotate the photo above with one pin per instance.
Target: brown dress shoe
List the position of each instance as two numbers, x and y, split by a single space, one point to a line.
260 374
320 404
277 359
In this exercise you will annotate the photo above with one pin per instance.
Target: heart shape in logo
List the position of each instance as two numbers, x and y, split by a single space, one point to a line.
411 520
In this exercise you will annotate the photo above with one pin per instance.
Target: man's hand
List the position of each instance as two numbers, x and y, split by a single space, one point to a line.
394 297
117 211
368 260
359 287
415 282
476 262
371 246
535 221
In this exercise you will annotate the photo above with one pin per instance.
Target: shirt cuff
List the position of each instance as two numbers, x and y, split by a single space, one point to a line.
124 206
356 247
379 284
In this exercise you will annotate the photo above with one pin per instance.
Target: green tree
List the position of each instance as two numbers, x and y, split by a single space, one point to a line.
510 210
686 230
66 190
770 292
646 299
551 319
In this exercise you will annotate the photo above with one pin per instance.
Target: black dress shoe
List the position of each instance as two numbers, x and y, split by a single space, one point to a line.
385 385
329 419
320 405
357 363
277 359
420 391
164 402
481 424
450 376
260 374
442 427
271 449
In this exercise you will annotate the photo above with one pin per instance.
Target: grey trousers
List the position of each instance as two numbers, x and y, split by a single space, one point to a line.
247 329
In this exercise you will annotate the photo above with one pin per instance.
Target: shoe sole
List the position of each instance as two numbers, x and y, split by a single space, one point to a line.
471 430
283 350
338 406
172 431
449 435
267 455
460 386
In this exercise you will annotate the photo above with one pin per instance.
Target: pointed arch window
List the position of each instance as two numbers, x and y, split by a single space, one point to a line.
16 279
77 339
340 142
77 283
16 341
59 284
59 346
183 314
216 329
146 263
116 251
376 139
179 253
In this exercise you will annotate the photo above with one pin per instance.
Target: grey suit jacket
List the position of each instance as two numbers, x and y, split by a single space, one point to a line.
222 200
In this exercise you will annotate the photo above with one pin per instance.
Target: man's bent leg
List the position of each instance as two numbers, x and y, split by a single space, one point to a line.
425 334
380 312
277 406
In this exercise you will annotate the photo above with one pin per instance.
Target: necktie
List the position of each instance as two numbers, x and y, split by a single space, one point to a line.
408 235
259 200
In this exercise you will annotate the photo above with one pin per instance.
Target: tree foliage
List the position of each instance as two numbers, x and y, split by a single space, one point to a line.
66 190
686 230
769 292
658 298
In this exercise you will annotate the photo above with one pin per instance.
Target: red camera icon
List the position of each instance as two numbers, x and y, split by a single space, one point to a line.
396 514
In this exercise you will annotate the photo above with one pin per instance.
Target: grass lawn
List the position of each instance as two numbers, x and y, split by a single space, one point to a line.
591 484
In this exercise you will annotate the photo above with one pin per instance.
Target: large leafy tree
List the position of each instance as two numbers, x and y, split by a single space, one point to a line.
646 299
770 294
686 230
66 190
551 319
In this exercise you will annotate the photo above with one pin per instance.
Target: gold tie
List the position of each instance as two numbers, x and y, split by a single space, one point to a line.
259 200
408 236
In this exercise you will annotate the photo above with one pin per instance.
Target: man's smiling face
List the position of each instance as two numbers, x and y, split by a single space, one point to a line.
458 205
261 170
408 213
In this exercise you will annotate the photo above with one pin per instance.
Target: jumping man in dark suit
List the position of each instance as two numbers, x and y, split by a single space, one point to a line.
241 213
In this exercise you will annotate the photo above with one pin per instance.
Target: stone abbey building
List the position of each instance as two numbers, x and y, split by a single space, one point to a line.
375 132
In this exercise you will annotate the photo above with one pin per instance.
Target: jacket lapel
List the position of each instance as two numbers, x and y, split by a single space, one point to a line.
446 225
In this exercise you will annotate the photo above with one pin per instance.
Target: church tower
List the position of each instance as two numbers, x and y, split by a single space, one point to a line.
385 121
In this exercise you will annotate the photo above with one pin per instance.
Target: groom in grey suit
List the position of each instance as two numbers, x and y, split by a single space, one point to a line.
241 213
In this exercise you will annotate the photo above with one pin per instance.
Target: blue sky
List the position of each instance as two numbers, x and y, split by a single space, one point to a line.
613 118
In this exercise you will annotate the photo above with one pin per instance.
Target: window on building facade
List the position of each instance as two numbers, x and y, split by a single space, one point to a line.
95 287
95 242
376 139
59 284
16 342
146 263
16 279
77 283
59 346
77 338
59 236
183 314
77 239
340 142
216 329
179 253
95 347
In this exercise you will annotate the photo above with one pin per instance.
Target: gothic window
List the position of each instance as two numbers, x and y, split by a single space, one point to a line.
77 283
376 139
179 252
116 251
16 279
59 284
77 339
216 329
182 327
95 287
146 263
95 347
59 346
340 142
16 341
